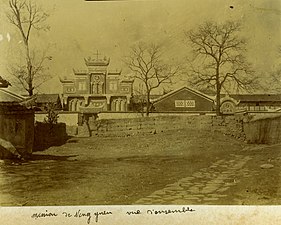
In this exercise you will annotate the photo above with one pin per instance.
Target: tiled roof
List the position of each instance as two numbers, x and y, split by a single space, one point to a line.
187 88
139 98
46 98
11 101
257 97
10 96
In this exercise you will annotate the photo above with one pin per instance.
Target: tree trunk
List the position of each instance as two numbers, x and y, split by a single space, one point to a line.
30 92
218 90
218 105
147 104
30 89
29 69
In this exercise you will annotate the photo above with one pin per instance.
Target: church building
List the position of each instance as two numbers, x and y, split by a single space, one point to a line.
97 88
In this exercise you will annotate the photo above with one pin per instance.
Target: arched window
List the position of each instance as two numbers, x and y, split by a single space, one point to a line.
113 105
117 109
123 105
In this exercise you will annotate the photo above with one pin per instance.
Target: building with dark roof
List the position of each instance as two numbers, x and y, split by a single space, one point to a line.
9 96
17 121
42 100
184 99
250 102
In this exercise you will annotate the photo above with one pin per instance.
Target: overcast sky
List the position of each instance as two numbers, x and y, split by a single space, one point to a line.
80 28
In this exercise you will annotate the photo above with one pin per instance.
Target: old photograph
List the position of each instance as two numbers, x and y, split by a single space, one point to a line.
140 102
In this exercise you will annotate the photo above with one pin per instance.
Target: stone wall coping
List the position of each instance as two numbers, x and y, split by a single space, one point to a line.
265 117
60 112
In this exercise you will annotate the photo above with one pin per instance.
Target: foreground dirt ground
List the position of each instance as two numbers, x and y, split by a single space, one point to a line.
173 167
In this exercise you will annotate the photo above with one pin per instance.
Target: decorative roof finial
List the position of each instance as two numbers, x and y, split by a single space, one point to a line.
4 83
97 54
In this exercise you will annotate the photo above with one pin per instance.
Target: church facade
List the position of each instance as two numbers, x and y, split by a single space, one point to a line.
96 88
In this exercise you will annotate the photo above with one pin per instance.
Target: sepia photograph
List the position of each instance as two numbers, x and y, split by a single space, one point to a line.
140 103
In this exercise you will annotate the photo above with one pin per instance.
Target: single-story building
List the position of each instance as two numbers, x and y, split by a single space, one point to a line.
250 102
42 99
17 121
184 99
258 102
138 102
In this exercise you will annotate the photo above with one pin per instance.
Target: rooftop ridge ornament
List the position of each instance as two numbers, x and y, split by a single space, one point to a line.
4 83
97 61
97 54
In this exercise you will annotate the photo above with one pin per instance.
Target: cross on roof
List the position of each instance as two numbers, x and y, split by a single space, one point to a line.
97 54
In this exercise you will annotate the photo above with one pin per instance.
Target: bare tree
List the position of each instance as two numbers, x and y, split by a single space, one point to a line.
146 62
27 16
139 99
219 53
272 81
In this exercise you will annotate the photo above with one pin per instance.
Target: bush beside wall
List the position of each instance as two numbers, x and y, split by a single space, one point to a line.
46 135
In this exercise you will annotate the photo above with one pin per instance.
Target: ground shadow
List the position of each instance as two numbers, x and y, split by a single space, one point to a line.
35 157
43 145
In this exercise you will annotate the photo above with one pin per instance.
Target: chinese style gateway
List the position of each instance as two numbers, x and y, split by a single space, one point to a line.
96 89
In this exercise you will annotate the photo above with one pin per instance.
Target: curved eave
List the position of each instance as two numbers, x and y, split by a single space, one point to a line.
96 63
16 97
80 72
228 98
63 80
66 81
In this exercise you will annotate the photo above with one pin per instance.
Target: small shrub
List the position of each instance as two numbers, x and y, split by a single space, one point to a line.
52 115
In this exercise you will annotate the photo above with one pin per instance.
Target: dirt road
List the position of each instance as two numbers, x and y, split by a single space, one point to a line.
183 167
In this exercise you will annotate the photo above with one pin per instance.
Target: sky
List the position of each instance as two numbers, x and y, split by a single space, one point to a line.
79 28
